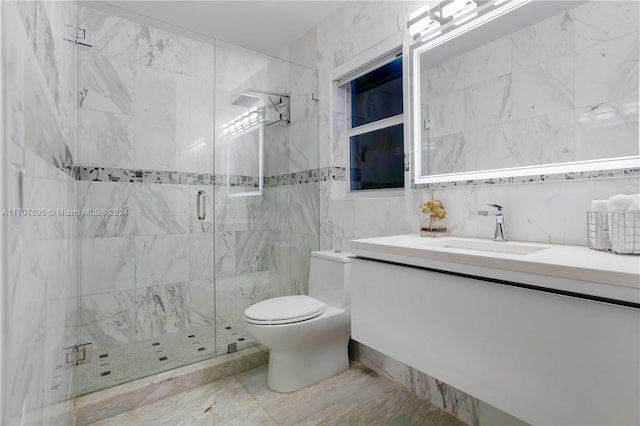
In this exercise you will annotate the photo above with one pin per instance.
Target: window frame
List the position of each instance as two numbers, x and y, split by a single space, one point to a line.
374 125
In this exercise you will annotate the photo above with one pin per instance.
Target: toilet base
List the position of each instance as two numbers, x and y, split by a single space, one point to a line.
293 370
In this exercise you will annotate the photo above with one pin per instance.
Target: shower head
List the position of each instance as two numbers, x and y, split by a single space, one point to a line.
251 96
246 100
277 106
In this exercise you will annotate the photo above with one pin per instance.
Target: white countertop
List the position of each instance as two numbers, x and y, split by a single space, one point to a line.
602 274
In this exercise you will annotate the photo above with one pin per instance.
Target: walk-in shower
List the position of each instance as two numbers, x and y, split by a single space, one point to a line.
160 276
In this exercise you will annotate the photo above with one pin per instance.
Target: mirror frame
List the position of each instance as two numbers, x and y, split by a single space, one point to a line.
485 28
260 128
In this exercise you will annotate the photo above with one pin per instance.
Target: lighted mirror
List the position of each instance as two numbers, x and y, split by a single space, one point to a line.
245 146
523 87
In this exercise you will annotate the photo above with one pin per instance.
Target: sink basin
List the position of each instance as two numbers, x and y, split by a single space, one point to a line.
489 246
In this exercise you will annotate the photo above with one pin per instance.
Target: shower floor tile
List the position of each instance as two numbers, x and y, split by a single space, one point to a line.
356 397
122 363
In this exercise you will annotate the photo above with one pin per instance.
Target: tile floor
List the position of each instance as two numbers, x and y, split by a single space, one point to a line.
355 397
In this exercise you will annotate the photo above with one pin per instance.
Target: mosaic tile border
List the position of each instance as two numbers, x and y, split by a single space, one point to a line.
102 174
308 176
556 177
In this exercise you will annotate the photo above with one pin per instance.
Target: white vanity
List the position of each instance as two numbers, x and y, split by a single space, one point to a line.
547 333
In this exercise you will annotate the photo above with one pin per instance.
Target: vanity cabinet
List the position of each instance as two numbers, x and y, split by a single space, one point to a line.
543 357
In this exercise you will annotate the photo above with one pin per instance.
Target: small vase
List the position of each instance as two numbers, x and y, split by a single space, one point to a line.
432 227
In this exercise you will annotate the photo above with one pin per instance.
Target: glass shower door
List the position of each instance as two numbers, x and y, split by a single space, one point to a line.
145 163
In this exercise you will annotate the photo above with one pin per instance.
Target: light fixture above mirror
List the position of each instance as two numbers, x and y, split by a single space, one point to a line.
431 21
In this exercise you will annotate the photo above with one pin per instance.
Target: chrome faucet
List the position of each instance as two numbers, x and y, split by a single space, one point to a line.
499 234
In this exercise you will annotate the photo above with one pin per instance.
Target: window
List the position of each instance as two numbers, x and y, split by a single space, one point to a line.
376 134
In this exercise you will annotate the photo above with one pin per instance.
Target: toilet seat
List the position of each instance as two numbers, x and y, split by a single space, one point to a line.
284 310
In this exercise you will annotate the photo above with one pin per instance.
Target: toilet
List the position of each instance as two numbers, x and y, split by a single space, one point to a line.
307 336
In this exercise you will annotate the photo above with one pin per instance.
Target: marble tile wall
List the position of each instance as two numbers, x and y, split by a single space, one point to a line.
351 29
262 246
140 266
149 92
465 407
38 295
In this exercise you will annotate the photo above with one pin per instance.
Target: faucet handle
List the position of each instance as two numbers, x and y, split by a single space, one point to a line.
486 213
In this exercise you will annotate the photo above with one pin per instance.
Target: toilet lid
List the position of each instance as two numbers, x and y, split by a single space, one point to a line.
284 310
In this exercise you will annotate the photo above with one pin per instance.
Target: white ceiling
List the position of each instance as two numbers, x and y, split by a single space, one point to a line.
265 26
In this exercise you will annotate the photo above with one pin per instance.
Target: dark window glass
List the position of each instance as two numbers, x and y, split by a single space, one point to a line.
377 95
377 159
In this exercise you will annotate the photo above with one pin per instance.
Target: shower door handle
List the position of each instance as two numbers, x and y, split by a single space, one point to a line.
202 205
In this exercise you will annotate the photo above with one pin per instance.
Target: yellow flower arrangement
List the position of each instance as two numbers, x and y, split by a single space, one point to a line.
436 211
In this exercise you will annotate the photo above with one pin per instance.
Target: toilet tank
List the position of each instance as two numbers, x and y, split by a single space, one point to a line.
329 277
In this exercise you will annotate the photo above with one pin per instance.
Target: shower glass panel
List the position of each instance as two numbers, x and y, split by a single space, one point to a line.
145 162
38 150
263 242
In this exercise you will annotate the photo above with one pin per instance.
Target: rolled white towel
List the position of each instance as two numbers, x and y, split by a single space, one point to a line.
599 205
625 231
634 205
618 203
